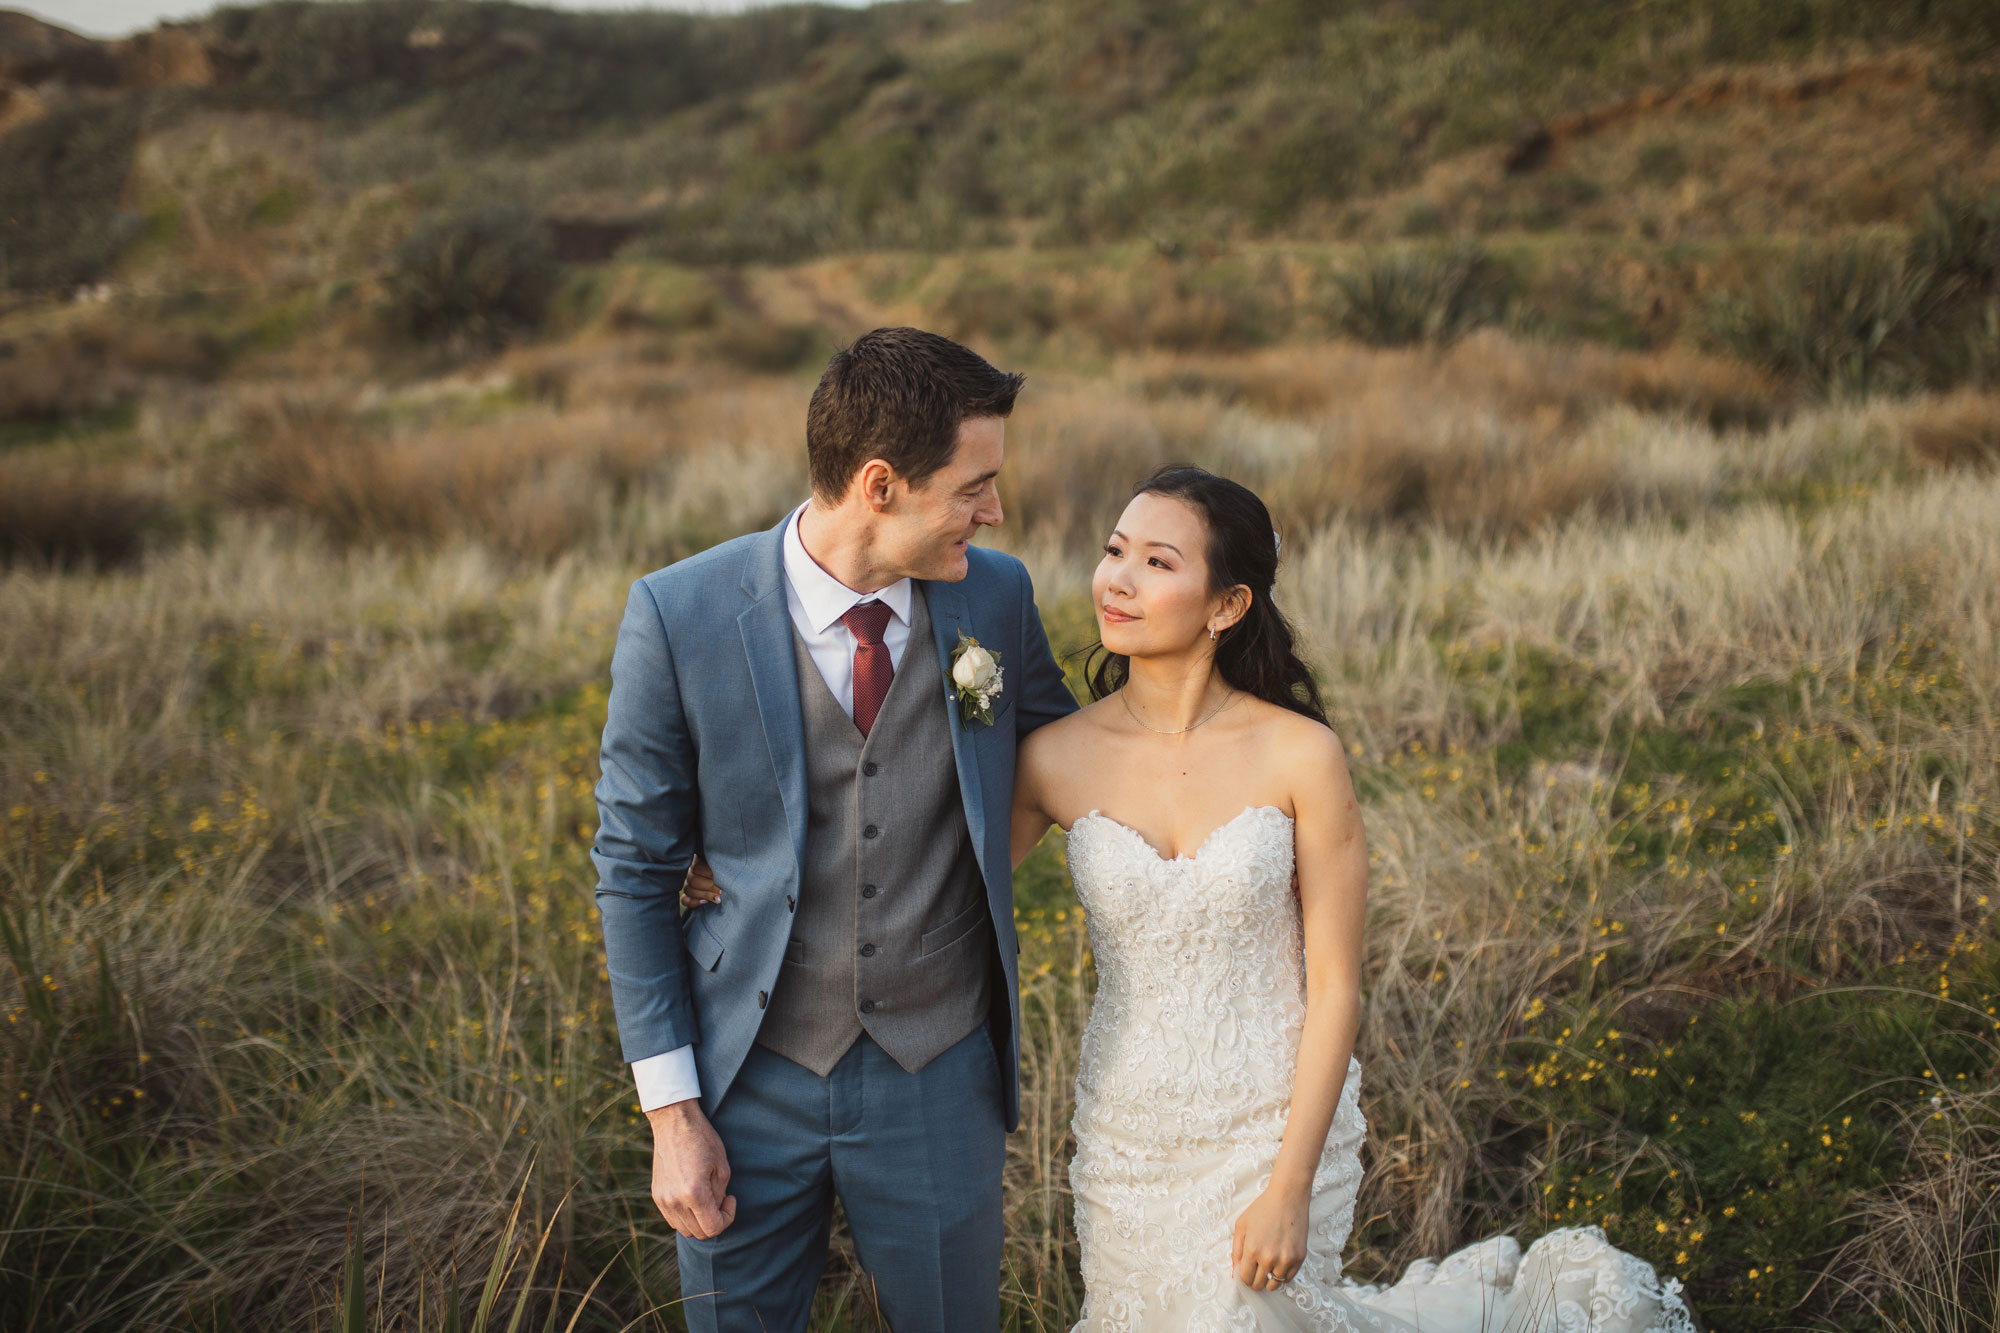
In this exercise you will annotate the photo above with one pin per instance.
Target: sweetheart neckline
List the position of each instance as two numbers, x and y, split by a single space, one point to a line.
1183 856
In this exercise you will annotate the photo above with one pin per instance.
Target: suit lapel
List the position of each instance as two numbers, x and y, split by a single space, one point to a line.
950 614
766 628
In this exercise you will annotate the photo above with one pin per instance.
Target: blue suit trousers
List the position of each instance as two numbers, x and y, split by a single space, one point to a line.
915 1160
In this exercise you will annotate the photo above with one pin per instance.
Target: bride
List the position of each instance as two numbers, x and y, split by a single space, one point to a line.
1218 1122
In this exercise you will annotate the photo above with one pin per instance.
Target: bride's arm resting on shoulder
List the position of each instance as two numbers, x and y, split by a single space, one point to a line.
1332 861
1045 701
1030 821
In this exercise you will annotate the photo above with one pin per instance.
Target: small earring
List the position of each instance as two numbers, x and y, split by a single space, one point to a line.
1211 634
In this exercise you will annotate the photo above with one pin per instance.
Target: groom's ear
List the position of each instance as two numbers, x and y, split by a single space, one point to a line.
876 481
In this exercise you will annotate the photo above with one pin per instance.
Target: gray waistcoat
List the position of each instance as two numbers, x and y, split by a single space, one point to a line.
892 936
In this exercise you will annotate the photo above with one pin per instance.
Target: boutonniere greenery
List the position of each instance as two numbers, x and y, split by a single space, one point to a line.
975 679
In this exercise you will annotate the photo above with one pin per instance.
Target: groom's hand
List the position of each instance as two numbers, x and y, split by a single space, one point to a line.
690 1171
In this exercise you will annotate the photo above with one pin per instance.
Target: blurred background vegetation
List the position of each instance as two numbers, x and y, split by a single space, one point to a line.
1804 185
1620 375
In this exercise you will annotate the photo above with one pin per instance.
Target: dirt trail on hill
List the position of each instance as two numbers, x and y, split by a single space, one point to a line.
1711 91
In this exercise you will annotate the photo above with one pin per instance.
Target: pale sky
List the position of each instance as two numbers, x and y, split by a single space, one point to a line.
117 18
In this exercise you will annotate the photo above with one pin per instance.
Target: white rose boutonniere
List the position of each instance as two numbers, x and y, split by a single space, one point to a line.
975 678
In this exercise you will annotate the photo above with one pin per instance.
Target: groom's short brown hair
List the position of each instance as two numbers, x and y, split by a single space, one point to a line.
898 395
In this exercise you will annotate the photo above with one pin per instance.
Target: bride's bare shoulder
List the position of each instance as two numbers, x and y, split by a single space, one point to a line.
1304 749
1285 729
1052 741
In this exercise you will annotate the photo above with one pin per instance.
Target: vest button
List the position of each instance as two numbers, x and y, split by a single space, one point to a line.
791 903
870 831
868 890
868 1006
762 996
871 768
868 951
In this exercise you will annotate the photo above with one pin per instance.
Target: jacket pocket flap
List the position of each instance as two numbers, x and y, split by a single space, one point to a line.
702 944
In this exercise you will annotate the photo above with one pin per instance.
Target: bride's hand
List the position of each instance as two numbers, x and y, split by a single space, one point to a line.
1270 1240
699 888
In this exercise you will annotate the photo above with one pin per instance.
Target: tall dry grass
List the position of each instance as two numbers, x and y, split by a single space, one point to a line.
1659 765
1928 1255
533 487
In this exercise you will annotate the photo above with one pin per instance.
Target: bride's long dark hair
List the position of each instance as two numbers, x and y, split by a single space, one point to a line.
1257 654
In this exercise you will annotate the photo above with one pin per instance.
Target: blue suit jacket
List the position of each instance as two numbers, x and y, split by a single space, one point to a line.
704 751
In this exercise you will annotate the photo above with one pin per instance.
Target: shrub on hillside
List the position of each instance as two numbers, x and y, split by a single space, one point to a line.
1435 295
1958 243
60 178
1959 240
1839 318
480 275
1858 316
62 513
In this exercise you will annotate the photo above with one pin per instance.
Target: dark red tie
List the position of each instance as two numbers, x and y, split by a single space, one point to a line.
872 669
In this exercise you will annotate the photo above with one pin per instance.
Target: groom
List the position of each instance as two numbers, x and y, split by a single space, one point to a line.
845 1020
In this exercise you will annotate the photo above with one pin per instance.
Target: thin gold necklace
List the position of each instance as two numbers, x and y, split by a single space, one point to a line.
1234 695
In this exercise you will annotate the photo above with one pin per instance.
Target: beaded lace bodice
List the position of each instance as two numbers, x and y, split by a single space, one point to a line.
1200 979
1183 1087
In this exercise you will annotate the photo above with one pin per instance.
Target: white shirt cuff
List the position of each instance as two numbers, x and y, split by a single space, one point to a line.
666 1078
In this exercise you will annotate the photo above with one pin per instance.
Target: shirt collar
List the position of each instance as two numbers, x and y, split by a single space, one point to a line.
825 598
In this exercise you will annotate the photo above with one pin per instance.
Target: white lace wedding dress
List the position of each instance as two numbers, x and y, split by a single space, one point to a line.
1182 1088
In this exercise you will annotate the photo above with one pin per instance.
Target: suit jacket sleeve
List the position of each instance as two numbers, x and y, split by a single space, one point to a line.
1044 694
648 831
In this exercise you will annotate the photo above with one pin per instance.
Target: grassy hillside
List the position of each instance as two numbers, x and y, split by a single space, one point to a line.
1622 380
795 131
1810 188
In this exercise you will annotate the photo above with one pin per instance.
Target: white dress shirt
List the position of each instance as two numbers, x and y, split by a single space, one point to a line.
817 601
